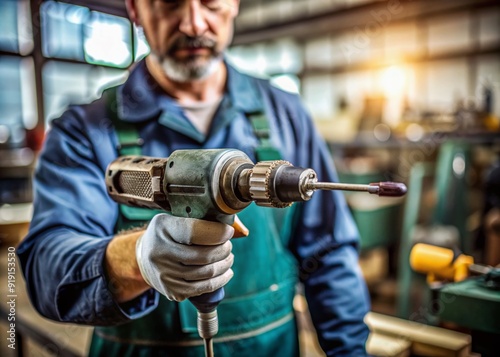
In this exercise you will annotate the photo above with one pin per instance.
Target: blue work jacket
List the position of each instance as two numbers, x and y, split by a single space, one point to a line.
74 219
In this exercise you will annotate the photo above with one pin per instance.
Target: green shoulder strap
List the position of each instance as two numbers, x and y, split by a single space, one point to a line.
129 141
260 124
283 218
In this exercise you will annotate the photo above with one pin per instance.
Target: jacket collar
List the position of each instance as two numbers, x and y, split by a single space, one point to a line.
242 91
137 98
141 98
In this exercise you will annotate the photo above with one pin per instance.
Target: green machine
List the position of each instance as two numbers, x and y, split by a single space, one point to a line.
447 178
475 304
459 297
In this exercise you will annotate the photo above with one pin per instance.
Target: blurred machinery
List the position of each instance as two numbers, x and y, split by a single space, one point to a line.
16 164
491 214
17 161
463 293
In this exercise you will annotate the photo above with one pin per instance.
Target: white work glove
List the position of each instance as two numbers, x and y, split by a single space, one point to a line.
185 257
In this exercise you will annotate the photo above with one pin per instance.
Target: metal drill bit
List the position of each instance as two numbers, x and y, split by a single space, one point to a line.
393 189
208 326
209 347
342 186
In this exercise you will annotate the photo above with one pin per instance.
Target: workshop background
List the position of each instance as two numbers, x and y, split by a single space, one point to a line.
402 90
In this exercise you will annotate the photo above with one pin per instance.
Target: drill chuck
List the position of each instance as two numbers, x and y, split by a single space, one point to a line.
276 184
208 324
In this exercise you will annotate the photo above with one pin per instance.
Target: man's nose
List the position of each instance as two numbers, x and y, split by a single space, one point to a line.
193 22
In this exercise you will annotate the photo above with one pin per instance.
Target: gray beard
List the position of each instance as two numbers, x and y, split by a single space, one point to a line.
187 71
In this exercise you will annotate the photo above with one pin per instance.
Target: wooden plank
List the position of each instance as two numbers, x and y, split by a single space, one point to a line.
387 346
425 340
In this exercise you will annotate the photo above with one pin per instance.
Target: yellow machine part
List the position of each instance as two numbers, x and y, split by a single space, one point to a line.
439 263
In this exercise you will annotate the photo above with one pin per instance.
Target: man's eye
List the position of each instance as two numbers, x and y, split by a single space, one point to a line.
212 4
169 2
167 5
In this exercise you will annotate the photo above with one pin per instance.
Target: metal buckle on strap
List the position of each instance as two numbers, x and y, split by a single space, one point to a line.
129 144
260 124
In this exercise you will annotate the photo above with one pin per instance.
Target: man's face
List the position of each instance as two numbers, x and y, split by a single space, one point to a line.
187 37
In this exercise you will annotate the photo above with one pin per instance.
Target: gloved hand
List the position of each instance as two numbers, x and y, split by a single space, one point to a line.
185 257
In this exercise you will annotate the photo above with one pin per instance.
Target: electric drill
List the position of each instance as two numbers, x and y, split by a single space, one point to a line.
215 184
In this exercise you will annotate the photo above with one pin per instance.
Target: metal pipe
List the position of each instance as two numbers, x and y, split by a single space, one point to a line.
389 189
209 347
342 186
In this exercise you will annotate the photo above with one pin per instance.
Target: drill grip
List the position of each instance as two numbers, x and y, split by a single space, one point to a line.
209 301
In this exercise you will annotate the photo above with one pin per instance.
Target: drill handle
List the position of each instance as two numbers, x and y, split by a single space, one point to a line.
209 301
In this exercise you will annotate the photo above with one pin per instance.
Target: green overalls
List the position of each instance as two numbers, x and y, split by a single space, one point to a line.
256 317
